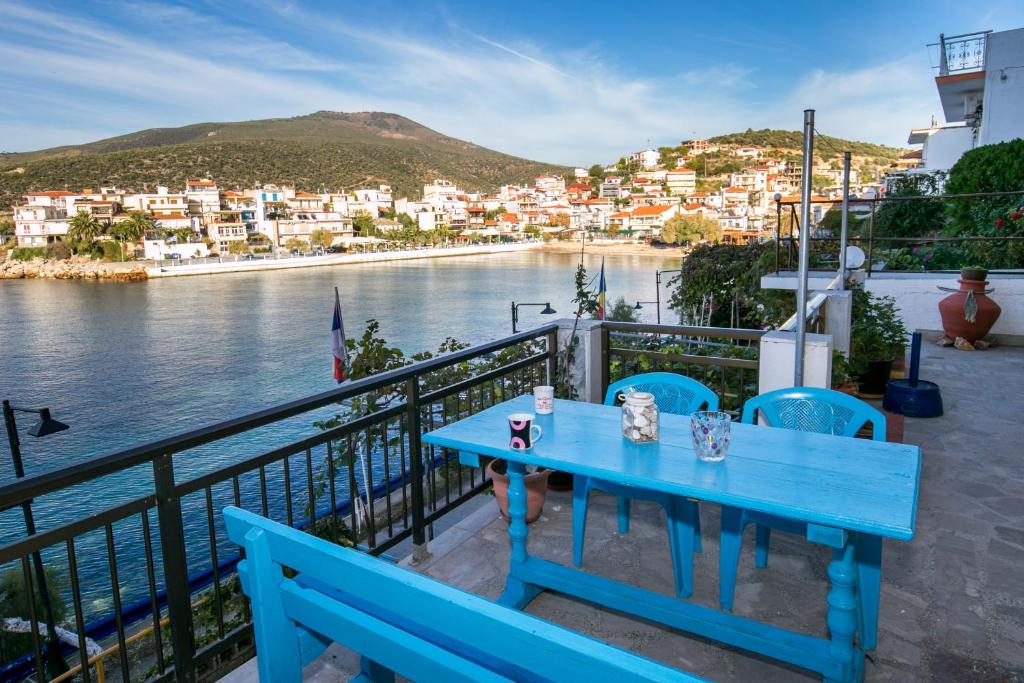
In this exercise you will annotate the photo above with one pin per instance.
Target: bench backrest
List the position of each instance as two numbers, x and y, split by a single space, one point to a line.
403 621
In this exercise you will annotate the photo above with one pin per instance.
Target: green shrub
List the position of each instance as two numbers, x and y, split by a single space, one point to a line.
27 253
57 250
109 250
14 603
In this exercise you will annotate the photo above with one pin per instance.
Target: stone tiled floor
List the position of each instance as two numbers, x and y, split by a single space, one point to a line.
952 599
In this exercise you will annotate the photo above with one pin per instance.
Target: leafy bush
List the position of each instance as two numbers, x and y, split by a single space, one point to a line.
14 603
27 253
622 312
877 332
108 250
57 250
912 218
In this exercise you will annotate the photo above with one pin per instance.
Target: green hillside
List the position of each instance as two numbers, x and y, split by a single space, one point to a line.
332 149
791 139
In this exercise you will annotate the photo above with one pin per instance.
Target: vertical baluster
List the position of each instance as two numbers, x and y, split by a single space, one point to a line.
404 472
288 489
371 522
263 491
37 650
312 495
387 478
218 605
154 605
353 489
330 480
76 597
236 491
122 647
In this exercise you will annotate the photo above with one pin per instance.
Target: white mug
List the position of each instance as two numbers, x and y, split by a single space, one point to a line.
543 400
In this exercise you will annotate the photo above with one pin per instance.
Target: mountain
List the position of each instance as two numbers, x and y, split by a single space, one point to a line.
336 150
825 146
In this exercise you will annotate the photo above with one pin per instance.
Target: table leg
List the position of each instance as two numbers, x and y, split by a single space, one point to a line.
518 593
842 613
869 586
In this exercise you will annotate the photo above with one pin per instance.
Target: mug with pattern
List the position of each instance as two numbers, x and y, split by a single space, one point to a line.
521 430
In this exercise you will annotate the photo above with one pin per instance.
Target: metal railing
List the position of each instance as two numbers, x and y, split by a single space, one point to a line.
152 575
962 53
814 315
786 245
724 359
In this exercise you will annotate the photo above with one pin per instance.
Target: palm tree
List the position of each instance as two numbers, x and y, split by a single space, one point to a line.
131 229
83 227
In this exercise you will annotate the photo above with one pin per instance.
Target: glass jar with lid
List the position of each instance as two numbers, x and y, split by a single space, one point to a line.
640 417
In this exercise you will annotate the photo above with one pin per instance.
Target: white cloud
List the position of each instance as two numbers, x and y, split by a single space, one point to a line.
569 105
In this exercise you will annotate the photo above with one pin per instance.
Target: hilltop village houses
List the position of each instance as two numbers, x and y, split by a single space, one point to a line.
202 218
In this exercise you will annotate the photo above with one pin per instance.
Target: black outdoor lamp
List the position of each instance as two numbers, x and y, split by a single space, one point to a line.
515 312
657 292
46 425
639 304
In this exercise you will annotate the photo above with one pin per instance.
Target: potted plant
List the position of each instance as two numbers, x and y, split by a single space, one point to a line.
877 338
841 380
974 273
536 488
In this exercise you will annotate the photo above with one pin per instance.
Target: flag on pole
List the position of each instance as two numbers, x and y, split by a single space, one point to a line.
601 287
338 340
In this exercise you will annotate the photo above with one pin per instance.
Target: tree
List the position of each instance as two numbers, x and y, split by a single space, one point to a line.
690 228
294 244
596 171
322 238
131 229
238 247
913 218
622 312
559 220
83 227
820 183
363 224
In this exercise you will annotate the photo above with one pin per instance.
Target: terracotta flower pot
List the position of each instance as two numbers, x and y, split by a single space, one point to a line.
536 490
954 318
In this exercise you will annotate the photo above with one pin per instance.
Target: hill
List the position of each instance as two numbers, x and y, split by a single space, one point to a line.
336 150
823 144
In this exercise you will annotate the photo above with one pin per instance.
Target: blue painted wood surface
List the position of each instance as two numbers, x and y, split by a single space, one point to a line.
851 484
833 486
673 394
403 622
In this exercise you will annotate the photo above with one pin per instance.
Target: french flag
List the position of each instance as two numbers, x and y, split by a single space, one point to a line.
338 340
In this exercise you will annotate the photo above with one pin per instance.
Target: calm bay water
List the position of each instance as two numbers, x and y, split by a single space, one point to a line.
126 364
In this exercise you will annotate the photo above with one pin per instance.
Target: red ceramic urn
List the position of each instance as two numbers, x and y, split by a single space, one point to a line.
957 312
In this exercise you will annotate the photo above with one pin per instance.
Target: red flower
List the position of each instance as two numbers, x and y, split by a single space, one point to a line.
1000 222
1015 216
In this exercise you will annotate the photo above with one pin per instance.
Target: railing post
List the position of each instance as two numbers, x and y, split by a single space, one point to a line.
552 356
871 233
420 552
172 545
605 359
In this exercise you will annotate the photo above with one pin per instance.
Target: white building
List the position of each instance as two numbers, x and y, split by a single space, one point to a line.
647 158
681 181
981 88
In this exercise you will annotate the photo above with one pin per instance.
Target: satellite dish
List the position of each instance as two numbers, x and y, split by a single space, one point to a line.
855 257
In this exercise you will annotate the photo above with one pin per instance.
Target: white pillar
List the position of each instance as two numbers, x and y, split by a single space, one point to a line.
586 368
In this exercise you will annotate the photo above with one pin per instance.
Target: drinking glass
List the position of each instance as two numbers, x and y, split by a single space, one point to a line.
710 430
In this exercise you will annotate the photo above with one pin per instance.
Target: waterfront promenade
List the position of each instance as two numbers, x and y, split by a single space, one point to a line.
212 267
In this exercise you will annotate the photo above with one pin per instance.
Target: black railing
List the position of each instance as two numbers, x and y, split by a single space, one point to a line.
724 359
151 576
787 237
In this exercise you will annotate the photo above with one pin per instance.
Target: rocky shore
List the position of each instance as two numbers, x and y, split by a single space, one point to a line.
75 268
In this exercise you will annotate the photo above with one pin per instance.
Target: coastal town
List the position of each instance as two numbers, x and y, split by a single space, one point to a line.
650 195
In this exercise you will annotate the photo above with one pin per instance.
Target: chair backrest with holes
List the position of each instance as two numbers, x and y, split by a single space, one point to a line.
673 393
810 409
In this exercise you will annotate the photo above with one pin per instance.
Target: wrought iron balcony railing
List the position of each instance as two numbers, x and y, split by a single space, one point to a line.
961 54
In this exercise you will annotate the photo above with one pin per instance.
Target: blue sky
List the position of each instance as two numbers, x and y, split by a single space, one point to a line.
570 82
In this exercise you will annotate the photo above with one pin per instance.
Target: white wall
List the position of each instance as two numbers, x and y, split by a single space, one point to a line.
918 300
944 147
1003 106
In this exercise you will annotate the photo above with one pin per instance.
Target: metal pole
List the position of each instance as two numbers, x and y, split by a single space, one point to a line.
513 317
657 293
871 234
778 229
413 424
805 247
54 661
845 223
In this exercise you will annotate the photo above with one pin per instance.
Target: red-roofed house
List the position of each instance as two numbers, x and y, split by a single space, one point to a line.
735 195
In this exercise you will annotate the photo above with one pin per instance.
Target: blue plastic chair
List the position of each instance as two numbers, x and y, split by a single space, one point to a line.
808 410
672 394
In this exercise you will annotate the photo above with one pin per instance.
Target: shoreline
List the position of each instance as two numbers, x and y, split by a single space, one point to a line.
133 271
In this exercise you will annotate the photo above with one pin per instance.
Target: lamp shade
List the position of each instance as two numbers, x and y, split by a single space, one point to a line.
47 425
548 310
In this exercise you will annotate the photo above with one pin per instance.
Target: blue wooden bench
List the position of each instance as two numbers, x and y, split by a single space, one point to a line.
400 621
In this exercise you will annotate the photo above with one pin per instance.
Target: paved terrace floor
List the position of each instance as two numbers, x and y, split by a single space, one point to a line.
952 600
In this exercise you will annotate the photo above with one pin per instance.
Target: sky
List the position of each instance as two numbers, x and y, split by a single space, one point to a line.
559 81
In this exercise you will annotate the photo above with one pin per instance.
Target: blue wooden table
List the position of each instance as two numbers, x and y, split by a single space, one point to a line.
843 488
